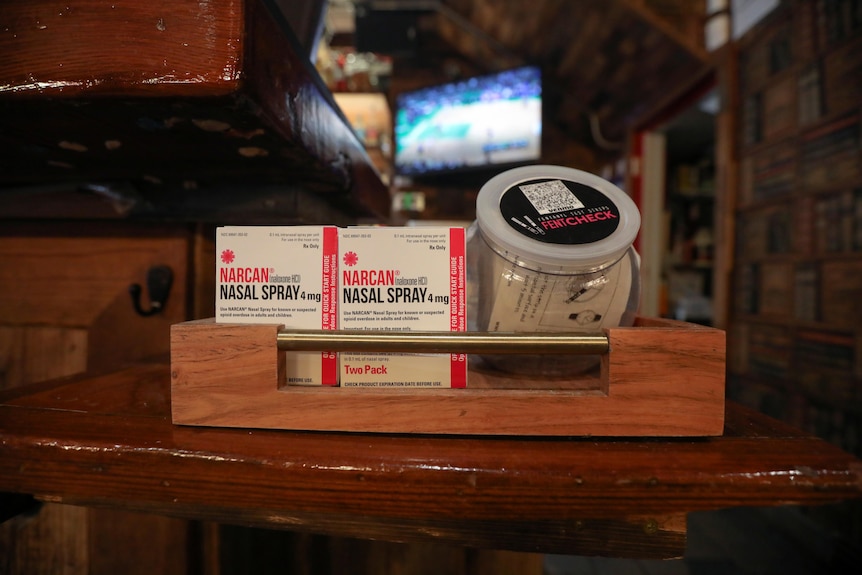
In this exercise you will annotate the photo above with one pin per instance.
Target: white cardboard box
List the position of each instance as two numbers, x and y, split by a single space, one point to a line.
402 279
285 275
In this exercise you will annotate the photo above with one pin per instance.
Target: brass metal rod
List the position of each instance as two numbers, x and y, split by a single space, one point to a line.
443 342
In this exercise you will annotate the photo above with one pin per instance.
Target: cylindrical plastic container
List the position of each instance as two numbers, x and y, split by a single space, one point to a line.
551 251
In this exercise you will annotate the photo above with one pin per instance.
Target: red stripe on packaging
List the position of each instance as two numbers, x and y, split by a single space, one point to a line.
329 304
457 301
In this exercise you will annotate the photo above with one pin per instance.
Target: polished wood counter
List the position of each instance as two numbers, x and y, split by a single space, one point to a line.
108 440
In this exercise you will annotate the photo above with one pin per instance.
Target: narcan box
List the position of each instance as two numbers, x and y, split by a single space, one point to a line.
402 279
285 275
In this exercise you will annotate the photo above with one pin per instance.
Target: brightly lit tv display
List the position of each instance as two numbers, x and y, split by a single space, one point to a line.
479 122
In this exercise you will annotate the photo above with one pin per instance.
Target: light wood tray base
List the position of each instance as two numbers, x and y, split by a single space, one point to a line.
660 378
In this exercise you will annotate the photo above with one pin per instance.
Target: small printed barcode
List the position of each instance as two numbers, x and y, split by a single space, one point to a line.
551 197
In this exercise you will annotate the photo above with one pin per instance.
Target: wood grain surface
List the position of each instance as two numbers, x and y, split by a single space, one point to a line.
659 379
108 441
111 47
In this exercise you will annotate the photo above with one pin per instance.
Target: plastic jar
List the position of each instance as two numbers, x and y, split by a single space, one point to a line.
551 251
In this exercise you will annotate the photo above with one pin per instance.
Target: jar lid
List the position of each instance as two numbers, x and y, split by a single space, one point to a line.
546 217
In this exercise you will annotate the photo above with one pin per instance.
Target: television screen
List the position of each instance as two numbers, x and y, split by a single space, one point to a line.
479 122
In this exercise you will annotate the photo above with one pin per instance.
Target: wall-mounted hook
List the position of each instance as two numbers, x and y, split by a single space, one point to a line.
159 280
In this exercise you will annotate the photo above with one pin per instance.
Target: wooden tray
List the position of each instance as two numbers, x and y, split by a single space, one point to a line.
659 378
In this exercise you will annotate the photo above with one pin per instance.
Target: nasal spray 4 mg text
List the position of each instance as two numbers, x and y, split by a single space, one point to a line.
286 275
402 279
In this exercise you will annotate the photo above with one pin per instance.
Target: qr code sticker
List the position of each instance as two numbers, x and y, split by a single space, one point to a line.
551 197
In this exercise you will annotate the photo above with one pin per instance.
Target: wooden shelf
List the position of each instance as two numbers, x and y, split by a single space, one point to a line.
798 251
786 321
197 111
